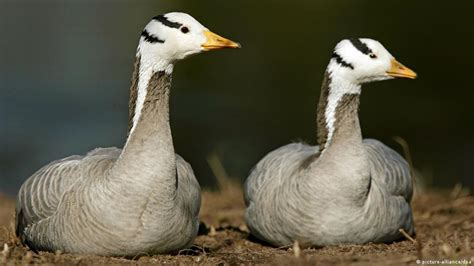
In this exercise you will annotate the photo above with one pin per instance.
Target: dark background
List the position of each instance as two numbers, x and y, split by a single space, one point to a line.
65 70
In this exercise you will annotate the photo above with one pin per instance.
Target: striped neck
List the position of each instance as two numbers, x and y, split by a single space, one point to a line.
142 74
148 155
338 104
149 95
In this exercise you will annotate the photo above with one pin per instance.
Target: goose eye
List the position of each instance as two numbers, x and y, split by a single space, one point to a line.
184 29
372 55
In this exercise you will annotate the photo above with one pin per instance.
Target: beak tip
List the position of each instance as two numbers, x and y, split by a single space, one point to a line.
413 75
398 70
215 42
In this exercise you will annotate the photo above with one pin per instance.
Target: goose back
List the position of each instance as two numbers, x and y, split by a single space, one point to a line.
43 198
285 201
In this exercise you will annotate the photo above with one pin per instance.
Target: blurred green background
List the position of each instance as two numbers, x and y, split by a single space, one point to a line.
65 70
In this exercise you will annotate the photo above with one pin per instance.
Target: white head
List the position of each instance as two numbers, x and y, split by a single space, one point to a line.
356 61
364 60
166 39
174 36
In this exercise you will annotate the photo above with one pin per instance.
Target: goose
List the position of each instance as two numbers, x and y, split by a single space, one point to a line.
345 190
142 199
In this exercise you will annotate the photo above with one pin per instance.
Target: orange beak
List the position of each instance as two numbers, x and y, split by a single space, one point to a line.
400 71
215 42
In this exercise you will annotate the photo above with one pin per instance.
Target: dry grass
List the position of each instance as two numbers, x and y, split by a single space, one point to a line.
444 223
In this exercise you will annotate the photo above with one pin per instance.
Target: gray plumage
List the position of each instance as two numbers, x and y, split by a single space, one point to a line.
287 203
143 199
73 205
346 190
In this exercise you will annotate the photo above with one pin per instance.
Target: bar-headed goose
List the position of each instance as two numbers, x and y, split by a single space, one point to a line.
347 189
143 199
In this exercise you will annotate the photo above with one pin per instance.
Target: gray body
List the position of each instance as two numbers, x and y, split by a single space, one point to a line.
143 199
354 191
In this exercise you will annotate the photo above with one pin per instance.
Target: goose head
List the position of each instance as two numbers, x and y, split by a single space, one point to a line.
174 36
364 60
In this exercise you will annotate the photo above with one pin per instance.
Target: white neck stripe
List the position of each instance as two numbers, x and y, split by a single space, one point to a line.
146 71
337 89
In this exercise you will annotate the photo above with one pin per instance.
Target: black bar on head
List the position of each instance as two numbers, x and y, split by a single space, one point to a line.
166 22
150 38
341 61
360 46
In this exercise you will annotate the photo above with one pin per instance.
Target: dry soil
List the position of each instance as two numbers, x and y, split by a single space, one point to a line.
444 222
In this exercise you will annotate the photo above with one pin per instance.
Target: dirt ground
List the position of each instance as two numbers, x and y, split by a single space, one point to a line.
444 222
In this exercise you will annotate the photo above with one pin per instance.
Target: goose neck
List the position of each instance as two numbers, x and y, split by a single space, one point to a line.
337 118
148 153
